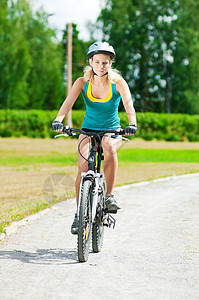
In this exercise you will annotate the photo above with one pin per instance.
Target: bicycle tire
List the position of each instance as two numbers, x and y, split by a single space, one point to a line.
98 227
85 222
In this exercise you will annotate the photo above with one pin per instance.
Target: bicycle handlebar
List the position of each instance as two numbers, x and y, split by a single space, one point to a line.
69 132
120 132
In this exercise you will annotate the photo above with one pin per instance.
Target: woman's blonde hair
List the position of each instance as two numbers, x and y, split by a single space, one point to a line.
113 75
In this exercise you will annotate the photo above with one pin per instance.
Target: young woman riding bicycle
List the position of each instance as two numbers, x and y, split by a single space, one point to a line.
102 88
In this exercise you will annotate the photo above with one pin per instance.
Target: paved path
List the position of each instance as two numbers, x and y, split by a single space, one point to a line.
153 253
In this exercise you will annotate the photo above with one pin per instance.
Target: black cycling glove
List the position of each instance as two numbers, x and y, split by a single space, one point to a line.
56 125
131 129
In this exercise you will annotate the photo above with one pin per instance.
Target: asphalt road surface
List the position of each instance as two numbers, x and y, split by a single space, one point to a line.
153 253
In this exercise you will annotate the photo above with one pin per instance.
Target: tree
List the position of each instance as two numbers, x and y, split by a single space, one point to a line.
15 59
45 77
150 42
188 46
30 58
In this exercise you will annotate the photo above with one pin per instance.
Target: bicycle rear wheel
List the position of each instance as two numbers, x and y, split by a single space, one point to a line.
98 227
85 222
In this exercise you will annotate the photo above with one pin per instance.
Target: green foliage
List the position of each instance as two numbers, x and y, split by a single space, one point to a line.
174 127
37 123
15 60
158 55
30 58
32 123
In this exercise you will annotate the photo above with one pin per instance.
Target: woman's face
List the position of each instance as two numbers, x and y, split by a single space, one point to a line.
100 64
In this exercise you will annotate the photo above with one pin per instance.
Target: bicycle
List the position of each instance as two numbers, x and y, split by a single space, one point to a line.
91 213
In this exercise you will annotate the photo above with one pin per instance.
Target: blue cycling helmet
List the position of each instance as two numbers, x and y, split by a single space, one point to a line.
101 48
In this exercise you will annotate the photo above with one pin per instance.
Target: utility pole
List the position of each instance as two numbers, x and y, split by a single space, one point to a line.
69 70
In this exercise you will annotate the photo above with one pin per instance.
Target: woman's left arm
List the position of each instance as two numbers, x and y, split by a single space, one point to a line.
123 89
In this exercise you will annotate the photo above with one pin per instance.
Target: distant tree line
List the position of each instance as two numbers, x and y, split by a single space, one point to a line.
157 46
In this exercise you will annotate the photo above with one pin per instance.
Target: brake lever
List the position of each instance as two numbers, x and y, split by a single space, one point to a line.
125 139
116 135
64 134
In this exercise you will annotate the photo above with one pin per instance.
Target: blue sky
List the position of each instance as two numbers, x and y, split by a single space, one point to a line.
66 11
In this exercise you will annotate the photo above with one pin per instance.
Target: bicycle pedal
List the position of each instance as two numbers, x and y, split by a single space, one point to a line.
108 221
105 221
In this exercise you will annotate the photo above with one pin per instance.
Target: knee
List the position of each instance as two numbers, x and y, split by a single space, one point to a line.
109 151
110 146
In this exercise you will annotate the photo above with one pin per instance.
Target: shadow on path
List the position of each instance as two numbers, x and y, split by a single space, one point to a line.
42 256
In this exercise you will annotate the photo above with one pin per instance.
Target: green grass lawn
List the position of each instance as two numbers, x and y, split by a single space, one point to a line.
158 155
124 155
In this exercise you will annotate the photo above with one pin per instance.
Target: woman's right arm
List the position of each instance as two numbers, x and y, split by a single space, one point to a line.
70 99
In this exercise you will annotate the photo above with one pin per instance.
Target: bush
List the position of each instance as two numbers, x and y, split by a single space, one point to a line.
170 127
37 124
5 132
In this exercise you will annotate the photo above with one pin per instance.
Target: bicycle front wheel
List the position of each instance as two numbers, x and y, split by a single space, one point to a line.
85 222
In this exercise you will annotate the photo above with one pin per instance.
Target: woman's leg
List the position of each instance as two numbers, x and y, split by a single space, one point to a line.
82 167
82 163
110 147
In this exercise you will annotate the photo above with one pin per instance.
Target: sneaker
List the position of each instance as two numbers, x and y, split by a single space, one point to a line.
111 204
74 226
